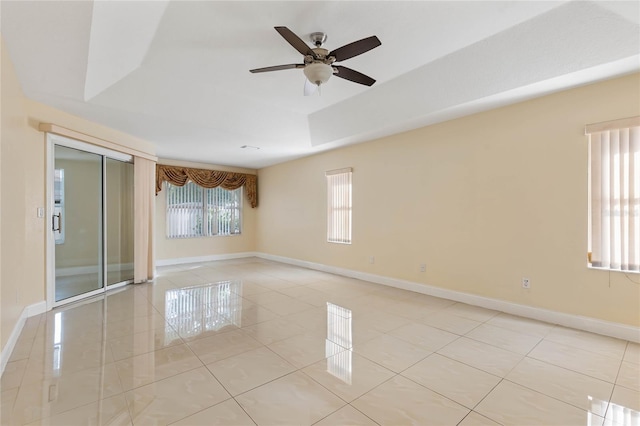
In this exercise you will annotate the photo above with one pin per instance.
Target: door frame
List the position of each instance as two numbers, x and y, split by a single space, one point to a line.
52 140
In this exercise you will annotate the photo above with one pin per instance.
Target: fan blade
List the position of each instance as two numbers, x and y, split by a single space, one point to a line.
352 75
309 87
278 68
356 48
295 41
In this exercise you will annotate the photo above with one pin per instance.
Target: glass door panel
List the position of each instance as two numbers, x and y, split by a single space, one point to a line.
77 222
119 221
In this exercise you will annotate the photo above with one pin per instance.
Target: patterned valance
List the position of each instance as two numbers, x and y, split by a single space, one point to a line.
208 179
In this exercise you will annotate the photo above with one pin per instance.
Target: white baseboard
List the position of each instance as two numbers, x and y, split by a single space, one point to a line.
209 258
28 311
593 325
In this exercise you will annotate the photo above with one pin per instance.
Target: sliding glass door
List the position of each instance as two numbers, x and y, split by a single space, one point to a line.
119 221
77 222
92 220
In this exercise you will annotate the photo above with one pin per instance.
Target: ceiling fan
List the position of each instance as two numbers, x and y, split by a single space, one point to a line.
318 63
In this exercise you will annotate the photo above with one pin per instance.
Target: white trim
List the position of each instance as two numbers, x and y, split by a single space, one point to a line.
50 261
209 258
593 325
53 129
81 296
93 269
338 171
623 123
88 147
28 311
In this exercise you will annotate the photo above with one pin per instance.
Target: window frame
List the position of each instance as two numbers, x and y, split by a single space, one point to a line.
611 257
332 237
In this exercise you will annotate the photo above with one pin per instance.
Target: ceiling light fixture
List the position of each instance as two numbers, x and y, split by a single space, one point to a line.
318 73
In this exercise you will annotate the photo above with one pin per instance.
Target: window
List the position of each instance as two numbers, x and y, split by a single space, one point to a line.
614 195
339 206
193 211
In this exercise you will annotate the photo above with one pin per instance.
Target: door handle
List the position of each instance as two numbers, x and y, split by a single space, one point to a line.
53 222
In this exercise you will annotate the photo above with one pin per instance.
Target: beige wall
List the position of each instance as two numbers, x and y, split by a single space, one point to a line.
483 200
22 171
204 246
22 191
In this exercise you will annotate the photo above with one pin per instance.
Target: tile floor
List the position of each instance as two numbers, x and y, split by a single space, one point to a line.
248 341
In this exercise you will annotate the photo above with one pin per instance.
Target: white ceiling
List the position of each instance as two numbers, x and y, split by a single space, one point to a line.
177 72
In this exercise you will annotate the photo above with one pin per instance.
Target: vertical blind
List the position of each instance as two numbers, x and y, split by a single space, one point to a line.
339 338
193 211
614 211
339 206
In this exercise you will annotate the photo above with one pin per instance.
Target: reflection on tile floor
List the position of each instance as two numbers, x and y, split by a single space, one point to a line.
248 341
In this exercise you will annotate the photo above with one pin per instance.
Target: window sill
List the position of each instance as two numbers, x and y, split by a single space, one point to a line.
597 268
202 236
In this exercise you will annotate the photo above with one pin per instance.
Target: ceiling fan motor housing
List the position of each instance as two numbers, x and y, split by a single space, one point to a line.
321 55
318 38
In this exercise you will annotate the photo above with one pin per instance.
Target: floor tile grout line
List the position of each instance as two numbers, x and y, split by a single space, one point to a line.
81 406
482 415
558 326
485 397
454 360
504 329
560 367
273 380
436 392
174 375
166 377
615 382
485 343
24 370
422 319
245 411
342 408
355 408
473 366
328 389
500 347
553 397
566 368
257 386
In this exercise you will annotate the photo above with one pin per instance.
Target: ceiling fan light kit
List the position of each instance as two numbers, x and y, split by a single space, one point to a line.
318 62
318 73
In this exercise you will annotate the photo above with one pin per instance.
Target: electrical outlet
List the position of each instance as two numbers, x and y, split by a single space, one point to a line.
372 259
526 283
423 267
